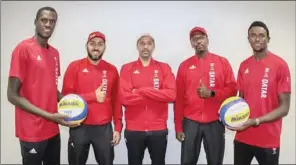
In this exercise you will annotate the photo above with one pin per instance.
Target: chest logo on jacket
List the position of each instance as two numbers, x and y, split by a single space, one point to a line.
104 80
212 75
156 80
264 84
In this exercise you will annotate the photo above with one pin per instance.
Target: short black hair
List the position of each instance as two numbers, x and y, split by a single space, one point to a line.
259 24
45 8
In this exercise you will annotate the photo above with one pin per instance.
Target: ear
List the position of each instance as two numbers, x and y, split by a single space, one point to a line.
35 21
248 38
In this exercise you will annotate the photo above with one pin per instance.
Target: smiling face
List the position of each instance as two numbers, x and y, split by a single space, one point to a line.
258 38
45 23
96 48
145 46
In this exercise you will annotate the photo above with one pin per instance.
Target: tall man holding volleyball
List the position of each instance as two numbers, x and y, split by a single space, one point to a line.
32 88
147 86
204 81
97 82
264 82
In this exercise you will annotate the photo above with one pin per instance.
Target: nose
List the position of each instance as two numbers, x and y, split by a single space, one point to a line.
47 25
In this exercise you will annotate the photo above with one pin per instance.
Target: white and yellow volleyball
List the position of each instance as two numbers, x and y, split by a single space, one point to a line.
234 111
74 106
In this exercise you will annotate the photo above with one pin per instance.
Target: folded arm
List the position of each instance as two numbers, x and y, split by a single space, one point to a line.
128 95
167 93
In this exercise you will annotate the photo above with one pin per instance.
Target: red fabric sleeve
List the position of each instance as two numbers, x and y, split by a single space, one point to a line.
18 64
230 85
168 91
128 97
283 79
179 103
69 84
116 104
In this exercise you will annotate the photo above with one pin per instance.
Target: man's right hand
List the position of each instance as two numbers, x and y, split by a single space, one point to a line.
100 94
60 119
180 136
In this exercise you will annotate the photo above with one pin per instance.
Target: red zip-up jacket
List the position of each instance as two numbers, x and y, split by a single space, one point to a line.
146 92
83 78
216 74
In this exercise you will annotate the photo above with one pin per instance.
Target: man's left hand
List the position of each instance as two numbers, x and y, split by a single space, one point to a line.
116 138
203 91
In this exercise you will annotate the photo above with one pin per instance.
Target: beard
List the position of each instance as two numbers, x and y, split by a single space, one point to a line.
94 58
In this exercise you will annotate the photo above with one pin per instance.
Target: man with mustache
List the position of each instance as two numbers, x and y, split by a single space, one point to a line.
264 82
97 81
147 86
204 81
32 88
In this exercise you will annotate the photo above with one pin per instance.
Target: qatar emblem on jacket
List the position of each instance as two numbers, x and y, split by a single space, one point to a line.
212 75
104 80
156 80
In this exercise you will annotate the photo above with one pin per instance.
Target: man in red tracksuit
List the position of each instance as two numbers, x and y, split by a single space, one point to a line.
97 81
204 81
264 82
147 86
32 89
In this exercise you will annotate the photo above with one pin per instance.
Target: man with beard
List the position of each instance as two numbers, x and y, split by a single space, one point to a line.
32 88
264 82
204 81
147 86
97 81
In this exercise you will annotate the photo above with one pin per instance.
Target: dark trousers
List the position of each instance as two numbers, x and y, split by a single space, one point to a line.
213 137
244 154
99 136
46 152
138 141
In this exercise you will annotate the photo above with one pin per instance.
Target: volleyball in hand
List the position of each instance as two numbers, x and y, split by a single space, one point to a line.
234 112
74 106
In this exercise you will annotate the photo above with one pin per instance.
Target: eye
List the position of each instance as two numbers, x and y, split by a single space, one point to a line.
43 20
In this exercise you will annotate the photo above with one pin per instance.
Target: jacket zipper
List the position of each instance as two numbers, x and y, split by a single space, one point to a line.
146 122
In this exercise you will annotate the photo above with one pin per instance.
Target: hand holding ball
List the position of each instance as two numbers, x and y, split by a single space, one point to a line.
73 106
234 112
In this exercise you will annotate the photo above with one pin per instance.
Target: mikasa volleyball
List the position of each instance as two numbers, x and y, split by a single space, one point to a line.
74 106
234 111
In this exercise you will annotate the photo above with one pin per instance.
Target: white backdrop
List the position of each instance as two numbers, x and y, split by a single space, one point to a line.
169 23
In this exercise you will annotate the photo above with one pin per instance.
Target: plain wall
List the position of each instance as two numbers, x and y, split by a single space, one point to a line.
169 23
